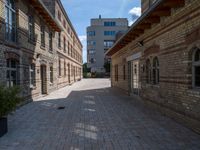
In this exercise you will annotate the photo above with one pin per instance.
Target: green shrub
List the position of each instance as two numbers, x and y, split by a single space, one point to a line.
9 99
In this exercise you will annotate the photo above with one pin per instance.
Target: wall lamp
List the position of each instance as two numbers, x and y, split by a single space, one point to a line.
140 43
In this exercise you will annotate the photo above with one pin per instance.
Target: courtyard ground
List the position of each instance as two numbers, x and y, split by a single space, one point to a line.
95 117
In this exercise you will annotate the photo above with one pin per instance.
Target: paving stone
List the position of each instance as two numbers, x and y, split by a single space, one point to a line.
96 117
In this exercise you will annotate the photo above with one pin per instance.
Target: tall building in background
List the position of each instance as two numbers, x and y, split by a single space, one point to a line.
101 35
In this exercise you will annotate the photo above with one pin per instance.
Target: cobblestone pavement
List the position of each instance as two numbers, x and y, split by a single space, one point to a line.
95 117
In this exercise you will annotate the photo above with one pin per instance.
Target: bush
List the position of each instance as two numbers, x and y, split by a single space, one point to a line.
9 99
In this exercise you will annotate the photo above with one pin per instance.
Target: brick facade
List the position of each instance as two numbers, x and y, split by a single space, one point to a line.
28 52
173 41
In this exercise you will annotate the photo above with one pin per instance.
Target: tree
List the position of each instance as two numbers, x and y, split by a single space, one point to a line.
107 66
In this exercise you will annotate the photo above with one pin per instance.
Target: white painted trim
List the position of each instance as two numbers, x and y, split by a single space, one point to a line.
134 56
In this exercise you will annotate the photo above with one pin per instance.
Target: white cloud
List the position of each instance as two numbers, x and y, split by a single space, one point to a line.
131 22
135 11
83 39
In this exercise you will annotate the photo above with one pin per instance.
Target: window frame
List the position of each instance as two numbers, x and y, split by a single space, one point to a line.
42 34
116 73
59 39
51 74
148 71
194 65
31 28
50 41
32 77
9 70
10 11
156 71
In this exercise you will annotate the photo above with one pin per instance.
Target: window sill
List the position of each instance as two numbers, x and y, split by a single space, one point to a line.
13 44
32 41
194 92
32 87
51 51
42 47
153 85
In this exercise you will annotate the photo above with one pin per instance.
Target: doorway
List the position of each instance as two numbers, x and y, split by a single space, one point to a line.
134 80
43 79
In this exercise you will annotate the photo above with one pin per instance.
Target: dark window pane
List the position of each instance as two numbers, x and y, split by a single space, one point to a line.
8 75
12 4
13 64
197 55
14 77
197 76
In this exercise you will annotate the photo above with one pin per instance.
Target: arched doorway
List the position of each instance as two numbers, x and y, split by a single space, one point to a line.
43 72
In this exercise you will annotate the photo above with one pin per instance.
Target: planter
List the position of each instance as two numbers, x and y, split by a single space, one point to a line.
3 126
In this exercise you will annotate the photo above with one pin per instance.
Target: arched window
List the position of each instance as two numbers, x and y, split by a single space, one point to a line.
156 72
10 19
196 68
12 72
148 71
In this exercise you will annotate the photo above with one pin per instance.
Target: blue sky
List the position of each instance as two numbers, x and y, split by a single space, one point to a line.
81 11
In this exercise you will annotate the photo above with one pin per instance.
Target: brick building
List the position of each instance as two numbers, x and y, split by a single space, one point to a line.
158 59
30 55
69 47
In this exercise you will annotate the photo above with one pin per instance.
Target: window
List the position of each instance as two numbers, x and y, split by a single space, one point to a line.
51 73
124 70
116 72
59 15
196 68
65 71
59 39
32 75
108 44
64 44
68 30
110 24
91 43
42 28
10 20
50 41
59 67
91 33
155 71
92 60
31 28
91 51
68 48
12 72
64 23
148 71
71 51
109 33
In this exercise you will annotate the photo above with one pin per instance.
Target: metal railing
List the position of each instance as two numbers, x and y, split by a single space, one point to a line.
8 33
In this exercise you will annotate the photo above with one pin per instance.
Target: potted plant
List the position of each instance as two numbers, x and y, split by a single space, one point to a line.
9 99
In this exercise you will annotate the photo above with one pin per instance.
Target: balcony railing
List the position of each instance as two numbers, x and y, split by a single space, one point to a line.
8 32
